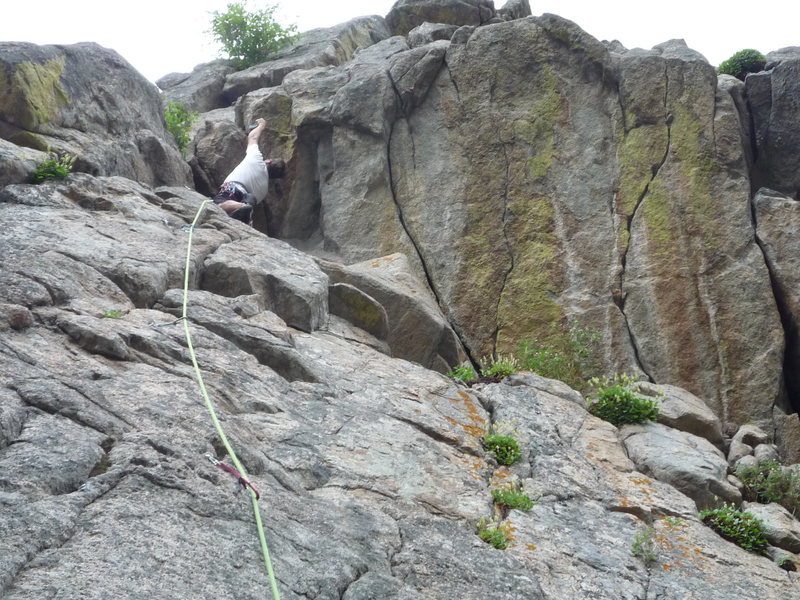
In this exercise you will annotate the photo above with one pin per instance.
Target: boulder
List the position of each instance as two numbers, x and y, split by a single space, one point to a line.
405 15
315 48
745 462
776 57
17 163
684 411
86 100
199 91
737 451
688 462
775 120
776 216
415 327
751 434
780 527
291 284
515 9
430 32
764 452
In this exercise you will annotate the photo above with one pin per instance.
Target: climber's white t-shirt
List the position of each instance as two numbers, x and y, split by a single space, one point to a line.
252 173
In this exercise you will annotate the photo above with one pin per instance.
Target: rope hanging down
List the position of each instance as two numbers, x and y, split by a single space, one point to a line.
240 474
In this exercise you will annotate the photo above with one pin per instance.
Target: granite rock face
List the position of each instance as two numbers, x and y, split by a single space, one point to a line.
775 112
87 100
473 162
448 195
371 469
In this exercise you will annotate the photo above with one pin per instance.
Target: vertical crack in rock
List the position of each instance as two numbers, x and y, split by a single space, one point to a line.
401 114
655 169
507 242
789 324
401 215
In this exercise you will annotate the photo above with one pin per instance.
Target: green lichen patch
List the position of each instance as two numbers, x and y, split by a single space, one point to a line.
33 95
528 306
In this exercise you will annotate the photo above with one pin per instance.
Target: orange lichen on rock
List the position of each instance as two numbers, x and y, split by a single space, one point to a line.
475 425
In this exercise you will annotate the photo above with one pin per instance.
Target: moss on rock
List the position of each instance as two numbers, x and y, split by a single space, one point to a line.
33 95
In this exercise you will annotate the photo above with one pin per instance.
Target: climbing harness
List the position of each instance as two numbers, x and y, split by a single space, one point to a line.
237 470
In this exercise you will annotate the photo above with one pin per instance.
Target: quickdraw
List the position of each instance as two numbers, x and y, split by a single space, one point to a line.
245 483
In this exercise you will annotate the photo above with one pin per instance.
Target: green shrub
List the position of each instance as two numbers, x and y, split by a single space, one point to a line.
500 366
113 314
618 404
179 121
570 364
741 528
506 449
492 533
766 482
248 38
511 497
742 63
57 165
463 372
644 546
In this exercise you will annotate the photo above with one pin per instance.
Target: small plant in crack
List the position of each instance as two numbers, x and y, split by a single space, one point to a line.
506 449
493 533
510 496
741 528
644 546
502 440
675 522
57 165
113 314
618 402
499 366
463 372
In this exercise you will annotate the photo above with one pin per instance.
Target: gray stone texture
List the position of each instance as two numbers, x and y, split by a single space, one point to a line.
87 101
444 200
371 469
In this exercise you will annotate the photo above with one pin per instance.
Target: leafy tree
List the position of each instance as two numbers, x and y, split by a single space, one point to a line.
742 63
248 38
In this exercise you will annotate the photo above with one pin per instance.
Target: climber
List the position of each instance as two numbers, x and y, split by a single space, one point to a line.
247 184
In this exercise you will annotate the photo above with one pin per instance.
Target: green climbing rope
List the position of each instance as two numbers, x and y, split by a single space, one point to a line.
220 432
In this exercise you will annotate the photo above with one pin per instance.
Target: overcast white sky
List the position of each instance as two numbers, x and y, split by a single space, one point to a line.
164 36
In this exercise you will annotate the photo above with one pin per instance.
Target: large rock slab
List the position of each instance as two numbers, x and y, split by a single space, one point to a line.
315 48
415 327
290 282
200 90
408 14
781 528
684 411
775 114
88 101
777 217
688 462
